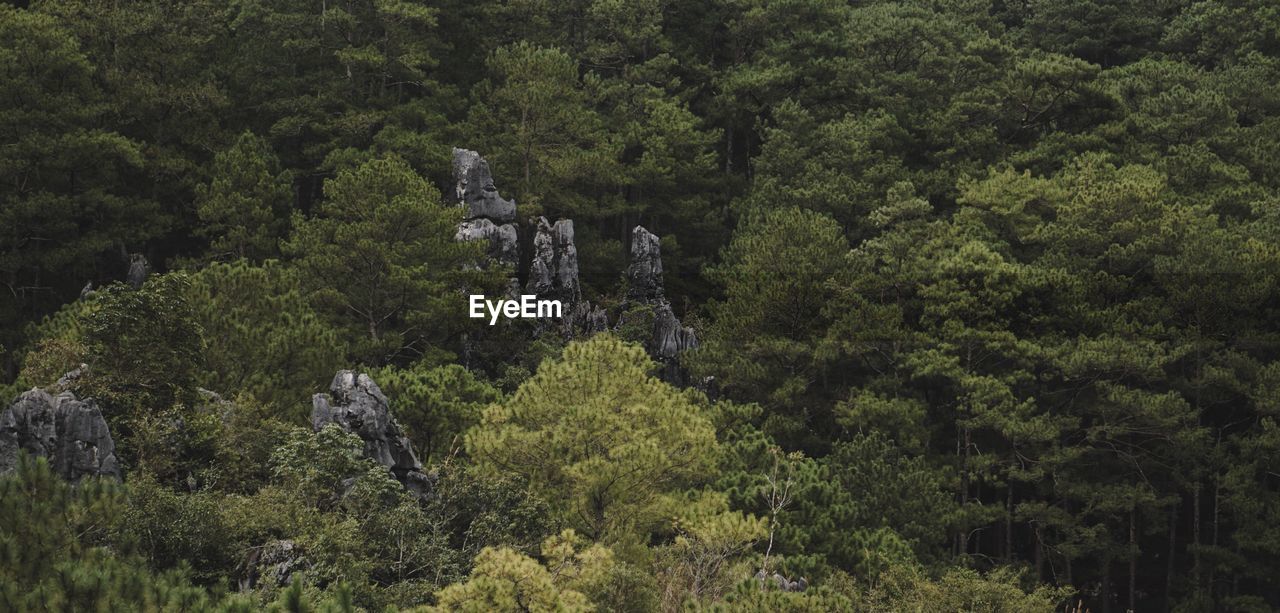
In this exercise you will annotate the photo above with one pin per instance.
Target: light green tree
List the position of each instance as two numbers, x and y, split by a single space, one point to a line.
605 440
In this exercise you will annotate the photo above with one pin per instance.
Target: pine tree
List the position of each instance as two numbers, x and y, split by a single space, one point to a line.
263 338
380 258
245 207
607 442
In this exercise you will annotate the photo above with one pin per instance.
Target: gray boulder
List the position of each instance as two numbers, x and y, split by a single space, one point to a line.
644 275
70 432
553 274
670 338
139 269
475 188
504 245
355 404
273 564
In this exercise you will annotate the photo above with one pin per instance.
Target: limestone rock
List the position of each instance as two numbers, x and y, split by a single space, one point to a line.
553 274
274 562
781 583
504 245
139 269
70 432
670 338
644 275
355 403
644 287
585 319
70 377
475 188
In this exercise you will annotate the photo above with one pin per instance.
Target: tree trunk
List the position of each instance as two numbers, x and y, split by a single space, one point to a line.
1008 523
1105 592
728 150
1039 554
962 442
1195 533
1217 491
1168 578
1133 561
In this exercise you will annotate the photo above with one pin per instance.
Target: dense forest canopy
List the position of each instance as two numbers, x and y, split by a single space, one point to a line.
984 293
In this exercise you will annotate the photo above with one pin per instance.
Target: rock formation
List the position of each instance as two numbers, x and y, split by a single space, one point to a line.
670 338
644 286
70 432
139 269
274 563
553 266
355 403
553 274
476 190
644 275
781 583
489 217
504 245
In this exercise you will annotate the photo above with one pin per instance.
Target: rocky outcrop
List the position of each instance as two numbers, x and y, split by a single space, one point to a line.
476 190
355 404
489 217
504 245
70 432
70 377
585 319
553 274
273 563
669 338
139 270
644 275
781 583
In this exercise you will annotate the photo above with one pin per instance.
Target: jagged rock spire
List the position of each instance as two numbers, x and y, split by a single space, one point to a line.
489 217
553 273
355 403
139 270
70 432
669 337
475 188
644 275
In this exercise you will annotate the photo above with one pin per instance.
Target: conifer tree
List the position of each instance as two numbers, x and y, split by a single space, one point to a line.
608 443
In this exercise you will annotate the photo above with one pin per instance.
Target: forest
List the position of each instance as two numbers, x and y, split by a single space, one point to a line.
870 305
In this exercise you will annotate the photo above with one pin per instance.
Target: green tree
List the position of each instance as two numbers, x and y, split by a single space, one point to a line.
263 338
436 405
779 275
505 580
244 208
608 442
145 347
537 124
380 258
65 199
